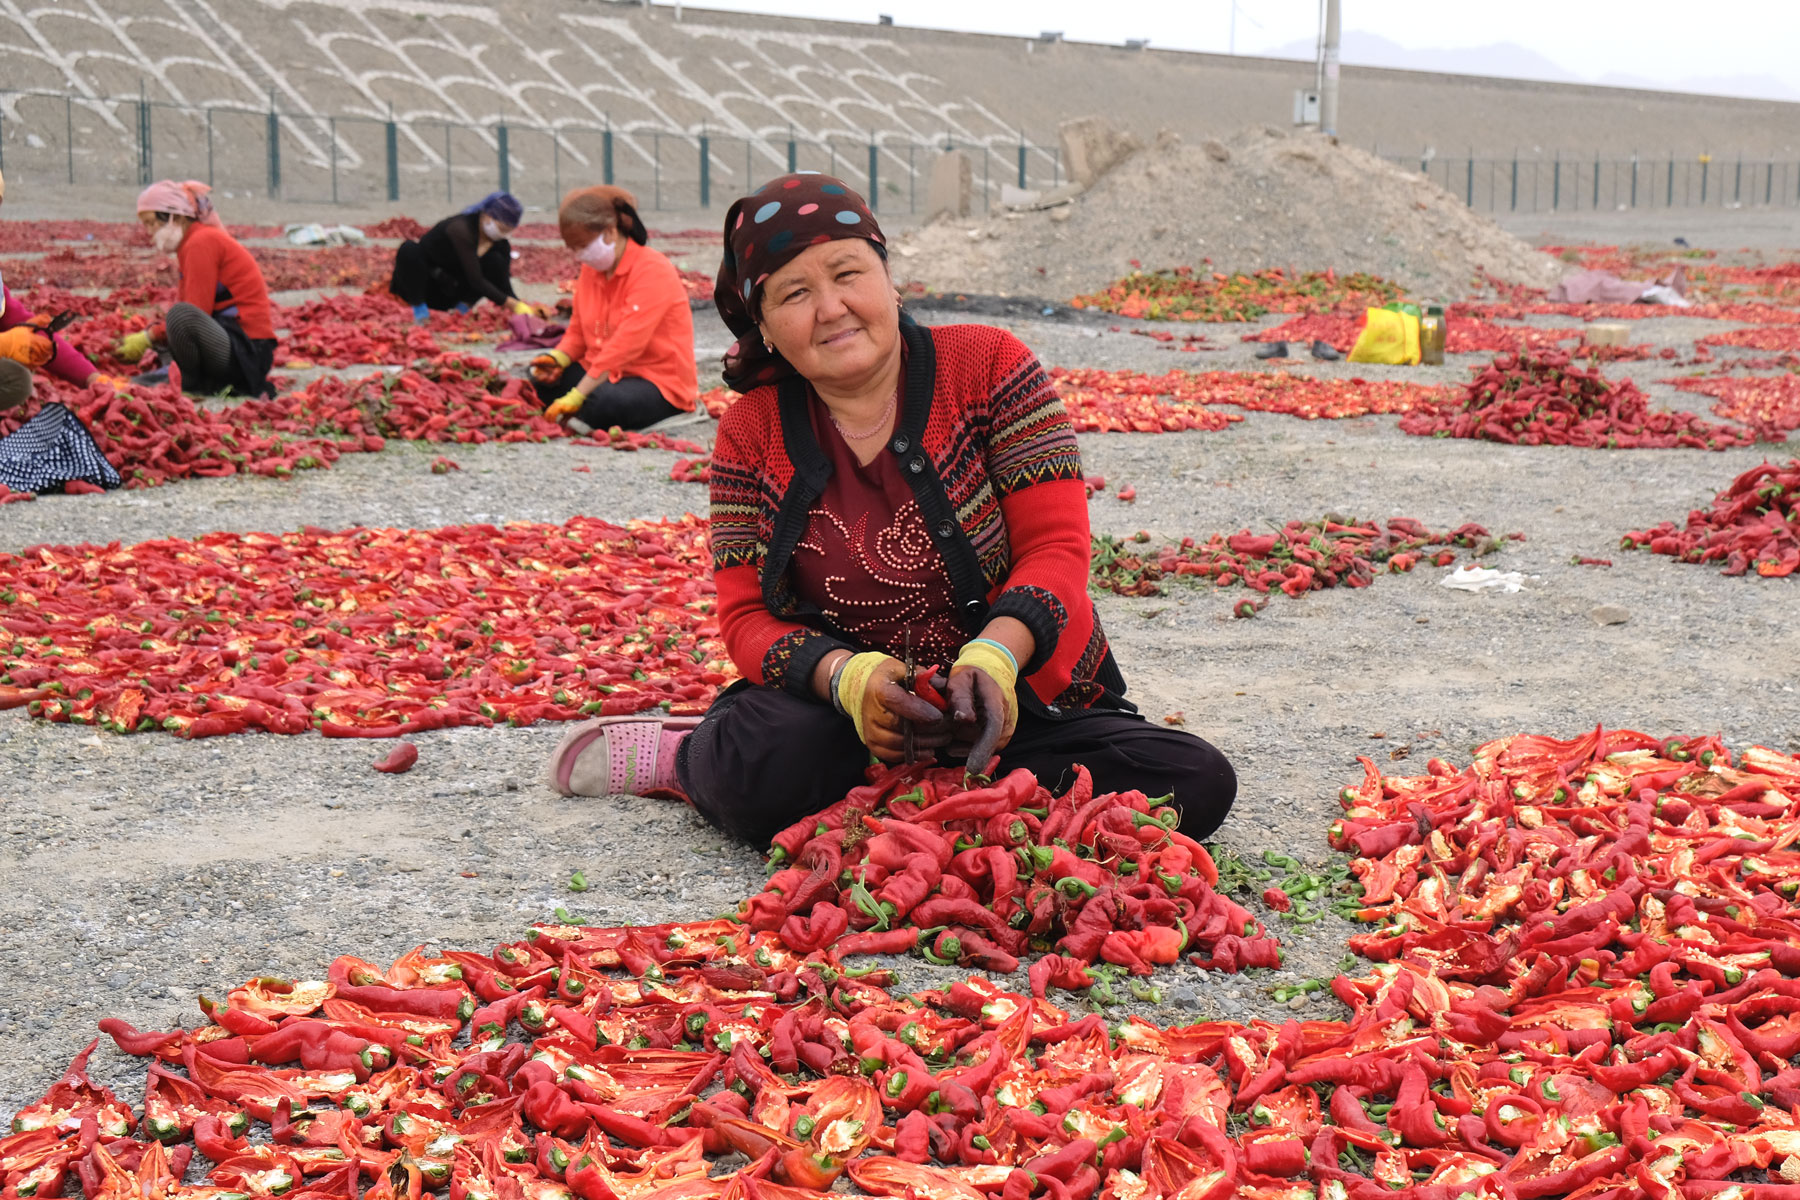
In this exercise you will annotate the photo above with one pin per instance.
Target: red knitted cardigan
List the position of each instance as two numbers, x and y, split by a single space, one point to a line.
991 456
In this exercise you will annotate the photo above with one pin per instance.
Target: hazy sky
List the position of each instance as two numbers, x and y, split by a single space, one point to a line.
1591 39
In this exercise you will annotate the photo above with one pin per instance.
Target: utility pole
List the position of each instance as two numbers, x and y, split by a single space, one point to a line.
1328 71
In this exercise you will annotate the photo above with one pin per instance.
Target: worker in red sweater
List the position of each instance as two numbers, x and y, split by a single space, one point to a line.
220 331
882 489
628 357
27 346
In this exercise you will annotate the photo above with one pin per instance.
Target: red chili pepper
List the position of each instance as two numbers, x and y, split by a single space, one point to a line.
399 760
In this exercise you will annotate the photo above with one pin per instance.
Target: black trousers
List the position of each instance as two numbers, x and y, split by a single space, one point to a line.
631 403
419 280
762 759
216 355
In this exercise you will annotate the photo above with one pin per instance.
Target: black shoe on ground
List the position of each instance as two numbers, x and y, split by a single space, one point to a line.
152 378
1272 350
1325 351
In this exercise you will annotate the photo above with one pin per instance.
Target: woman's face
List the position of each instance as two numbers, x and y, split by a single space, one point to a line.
831 312
578 240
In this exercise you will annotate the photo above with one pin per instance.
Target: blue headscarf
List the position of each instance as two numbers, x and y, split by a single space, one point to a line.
504 207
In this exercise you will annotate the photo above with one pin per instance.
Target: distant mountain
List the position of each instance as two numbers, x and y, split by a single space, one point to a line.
1508 60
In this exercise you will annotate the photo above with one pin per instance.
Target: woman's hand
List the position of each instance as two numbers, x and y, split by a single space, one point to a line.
873 690
134 346
984 702
565 405
549 366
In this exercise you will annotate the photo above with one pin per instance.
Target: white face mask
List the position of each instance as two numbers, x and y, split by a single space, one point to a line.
598 254
490 229
167 238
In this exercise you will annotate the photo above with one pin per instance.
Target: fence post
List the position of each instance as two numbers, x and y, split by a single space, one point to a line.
69 137
1424 163
793 152
146 155
1634 165
874 175
505 158
1556 183
1515 180
331 129
393 156
1705 174
1597 182
1021 160
1470 188
606 164
274 148
705 169
1670 201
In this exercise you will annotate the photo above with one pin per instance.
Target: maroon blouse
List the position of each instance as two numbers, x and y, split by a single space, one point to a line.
867 560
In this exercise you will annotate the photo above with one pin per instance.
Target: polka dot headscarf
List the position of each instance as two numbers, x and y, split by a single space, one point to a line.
762 232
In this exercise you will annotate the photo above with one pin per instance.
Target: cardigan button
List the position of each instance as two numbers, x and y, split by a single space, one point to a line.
945 529
916 463
900 445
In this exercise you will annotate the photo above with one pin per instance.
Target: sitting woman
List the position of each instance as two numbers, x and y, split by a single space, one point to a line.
461 260
220 331
628 357
884 488
27 346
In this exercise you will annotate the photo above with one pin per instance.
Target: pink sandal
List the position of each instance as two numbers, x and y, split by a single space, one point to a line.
619 756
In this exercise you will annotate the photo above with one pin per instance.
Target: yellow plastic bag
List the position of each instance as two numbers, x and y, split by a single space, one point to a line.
1388 337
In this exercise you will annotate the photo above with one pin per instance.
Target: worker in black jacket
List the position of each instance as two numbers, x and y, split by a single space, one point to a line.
461 260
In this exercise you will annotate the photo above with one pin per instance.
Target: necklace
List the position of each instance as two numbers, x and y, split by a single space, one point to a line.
880 425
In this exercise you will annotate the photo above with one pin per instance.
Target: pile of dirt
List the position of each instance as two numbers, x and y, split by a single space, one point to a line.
1265 198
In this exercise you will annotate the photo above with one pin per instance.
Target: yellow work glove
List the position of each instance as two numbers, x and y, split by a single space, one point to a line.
565 405
523 308
873 691
134 346
983 696
549 366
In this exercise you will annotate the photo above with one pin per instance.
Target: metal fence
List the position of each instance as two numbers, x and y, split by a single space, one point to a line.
50 138
1587 183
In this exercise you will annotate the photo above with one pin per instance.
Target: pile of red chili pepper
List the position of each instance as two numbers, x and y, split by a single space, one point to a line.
365 632
403 227
363 327
155 434
1187 294
1589 973
1471 336
1752 525
1543 398
1300 557
1782 339
1769 404
978 876
1584 986
1101 401
1512 310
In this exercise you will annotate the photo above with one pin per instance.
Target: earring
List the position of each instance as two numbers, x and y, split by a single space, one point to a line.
767 345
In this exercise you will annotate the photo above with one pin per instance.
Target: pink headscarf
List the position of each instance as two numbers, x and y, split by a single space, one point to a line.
183 199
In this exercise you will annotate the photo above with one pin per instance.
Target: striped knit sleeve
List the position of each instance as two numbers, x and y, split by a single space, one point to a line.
1030 437
765 649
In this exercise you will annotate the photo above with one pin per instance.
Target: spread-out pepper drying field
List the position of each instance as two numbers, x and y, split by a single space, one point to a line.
1506 954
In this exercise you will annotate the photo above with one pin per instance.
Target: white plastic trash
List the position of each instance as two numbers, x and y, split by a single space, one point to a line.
1483 579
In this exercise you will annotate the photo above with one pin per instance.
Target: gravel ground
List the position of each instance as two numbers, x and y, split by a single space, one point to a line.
140 871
